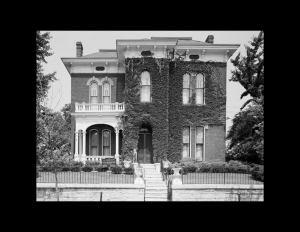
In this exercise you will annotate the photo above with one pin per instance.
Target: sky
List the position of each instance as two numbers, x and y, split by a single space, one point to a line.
63 44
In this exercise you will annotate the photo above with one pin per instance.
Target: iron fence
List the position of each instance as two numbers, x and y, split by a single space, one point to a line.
213 178
85 177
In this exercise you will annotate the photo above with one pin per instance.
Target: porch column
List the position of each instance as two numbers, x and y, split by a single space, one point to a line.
83 142
117 145
76 146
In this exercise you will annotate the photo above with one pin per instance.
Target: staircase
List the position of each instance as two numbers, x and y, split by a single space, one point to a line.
155 187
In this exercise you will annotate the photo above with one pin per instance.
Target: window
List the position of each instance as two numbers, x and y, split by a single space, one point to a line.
199 143
200 89
146 87
106 93
186 89
94 92
106 142
186 142
94 142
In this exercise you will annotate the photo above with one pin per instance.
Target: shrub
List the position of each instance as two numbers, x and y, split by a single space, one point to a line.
129 170
100 168
220 167
66 169
238 167
168 170
77 163
92 163
116 170
257 173
205 167
87 168
75 168
189 168
37 171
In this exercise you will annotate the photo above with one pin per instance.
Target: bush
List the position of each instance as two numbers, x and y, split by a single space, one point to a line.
257 173
238 167
205 167
75 168
189 168
37 171
168 170
92 163
87 168
66 169
116 170
220 167
101 168
129 170
77 163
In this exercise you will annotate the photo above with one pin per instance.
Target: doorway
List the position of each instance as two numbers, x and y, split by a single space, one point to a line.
145 151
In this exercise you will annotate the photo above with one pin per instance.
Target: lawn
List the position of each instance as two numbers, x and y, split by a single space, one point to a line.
217 178
85 178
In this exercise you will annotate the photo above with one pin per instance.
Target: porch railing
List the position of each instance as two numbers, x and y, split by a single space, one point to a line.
99 107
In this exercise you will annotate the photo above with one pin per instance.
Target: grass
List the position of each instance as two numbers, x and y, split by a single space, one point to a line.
217 178
85 178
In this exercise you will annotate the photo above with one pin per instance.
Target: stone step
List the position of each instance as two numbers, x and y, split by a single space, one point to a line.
157 180
162 196
157 193
156 187
152 175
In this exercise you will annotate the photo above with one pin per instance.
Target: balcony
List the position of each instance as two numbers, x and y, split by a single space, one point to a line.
99 107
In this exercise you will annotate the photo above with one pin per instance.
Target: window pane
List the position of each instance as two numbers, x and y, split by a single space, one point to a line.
145 93
145 78
185 96
94 88
94 151
199 96
185 150
200 79
106 151
94 99
186 80
106 138
199 135
106 90
186 135
94 138
199 151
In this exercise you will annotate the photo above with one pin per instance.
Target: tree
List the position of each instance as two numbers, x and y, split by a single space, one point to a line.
246 135
42 83
249 70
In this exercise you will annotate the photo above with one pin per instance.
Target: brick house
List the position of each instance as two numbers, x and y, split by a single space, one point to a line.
162 97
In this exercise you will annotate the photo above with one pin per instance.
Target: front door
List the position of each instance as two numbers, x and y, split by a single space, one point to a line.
145 151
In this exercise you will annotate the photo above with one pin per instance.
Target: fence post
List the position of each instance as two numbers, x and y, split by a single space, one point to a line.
100 196
224 177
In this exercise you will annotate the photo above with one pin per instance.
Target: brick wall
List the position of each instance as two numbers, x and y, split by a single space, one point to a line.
215 143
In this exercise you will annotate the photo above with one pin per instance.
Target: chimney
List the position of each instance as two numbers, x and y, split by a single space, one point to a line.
79 49
209 39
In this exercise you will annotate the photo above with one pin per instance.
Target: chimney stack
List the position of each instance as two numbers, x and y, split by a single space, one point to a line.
79 49
209 39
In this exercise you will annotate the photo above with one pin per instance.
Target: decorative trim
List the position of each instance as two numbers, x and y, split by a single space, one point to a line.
106 79
93 79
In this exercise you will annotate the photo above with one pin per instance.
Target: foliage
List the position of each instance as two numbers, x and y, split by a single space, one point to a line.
92 163
237 167
190 168
165 113
249 70
116 170
75 168
220 167
205 167
87 168
246 136
101 168
257 172
129 170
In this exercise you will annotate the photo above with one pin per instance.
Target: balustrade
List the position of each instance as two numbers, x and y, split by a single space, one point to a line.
99 107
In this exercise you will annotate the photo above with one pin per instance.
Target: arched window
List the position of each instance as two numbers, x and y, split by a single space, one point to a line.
200 89
106 142
94 141
186 88
94 92
106 92
146 87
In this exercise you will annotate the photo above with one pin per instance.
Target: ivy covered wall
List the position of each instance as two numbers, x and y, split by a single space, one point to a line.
154 113
165 113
